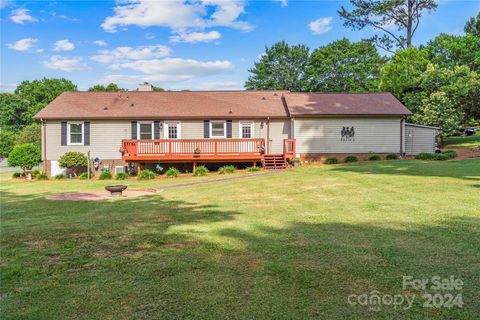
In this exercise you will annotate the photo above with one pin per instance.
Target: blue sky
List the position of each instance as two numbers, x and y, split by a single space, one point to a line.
197 45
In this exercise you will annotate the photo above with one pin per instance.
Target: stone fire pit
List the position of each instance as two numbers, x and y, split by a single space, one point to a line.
116 191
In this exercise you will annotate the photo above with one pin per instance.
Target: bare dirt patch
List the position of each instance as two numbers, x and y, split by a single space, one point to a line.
99 195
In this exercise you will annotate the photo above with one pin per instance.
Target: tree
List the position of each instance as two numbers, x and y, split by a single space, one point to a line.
25 156
473 26
111 87
402 73
30 134
14 111
281 67
73 160
438 110
386 16
157 88
7 141
450 51
345 66
39 93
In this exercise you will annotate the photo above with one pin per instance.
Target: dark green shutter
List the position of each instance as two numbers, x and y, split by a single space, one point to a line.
156 130
206 129
64 134
134 130
86 132
229 128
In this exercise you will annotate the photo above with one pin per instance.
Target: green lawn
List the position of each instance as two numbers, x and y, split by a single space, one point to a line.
287 246
463 142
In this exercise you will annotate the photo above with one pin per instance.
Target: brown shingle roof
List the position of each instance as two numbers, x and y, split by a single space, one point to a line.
218 105
165 105
336 104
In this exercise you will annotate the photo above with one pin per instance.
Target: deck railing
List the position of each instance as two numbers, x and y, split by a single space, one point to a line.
204 147
289 147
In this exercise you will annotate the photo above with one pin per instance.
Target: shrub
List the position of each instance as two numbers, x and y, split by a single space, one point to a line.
227 169
441 156
59 176
330 161
200 171
42 176
253 169
121 176
146 175
24 156
17 175
374 157
172 172
35 172
391 156
451 153
73 160
105 175
350 159
83 176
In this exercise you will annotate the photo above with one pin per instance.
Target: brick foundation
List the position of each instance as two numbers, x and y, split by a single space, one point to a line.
320 157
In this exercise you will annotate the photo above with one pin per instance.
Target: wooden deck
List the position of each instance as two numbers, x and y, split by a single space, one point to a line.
193 150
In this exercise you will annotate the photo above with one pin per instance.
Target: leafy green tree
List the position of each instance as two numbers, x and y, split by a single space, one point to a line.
397 19
111 87
39 93
30 134
449 51
281 67
155 88
7 141
473 25
14 111
438 110
402 73
25 156
345 66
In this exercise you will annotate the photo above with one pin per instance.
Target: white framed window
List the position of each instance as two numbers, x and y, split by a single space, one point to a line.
172 130
218 129
75 133
246 129
145 130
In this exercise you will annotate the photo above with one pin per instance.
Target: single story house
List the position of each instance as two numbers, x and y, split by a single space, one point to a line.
129 130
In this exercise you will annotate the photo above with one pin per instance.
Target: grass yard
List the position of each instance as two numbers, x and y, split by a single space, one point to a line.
294 245
463 141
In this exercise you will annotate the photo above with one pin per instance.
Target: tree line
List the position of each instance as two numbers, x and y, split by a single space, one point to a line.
438 81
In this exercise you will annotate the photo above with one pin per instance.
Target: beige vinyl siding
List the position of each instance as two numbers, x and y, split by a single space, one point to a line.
323 135
191 129
419 139
105 139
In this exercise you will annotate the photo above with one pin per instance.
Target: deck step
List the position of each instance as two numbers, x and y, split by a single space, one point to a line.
274 161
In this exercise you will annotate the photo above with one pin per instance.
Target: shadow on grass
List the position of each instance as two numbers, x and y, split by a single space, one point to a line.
460 169
127 259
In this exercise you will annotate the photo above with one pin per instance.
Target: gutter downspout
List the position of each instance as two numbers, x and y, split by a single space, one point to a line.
402 138
268 135
44 145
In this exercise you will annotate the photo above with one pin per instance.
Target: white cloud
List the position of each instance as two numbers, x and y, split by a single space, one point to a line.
100 43
21 15
8 87
4 3
177 15
124 54
168 70
63 45
213 85
23 44
283 3
39 51
321 25
196 37
65 64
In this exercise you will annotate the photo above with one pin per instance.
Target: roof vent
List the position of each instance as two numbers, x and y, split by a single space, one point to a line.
275 94
105 108
131 105
230 112
263 98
